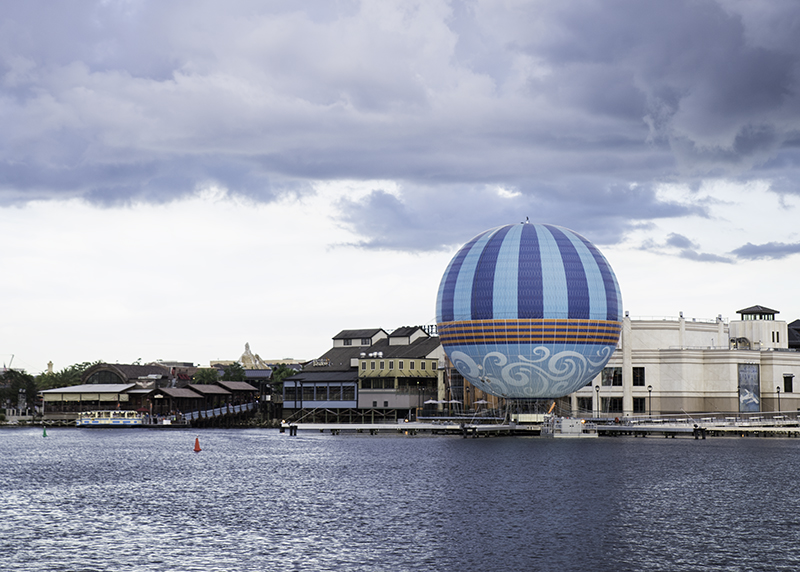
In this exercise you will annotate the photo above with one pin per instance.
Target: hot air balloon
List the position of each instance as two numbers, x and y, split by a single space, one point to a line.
529 311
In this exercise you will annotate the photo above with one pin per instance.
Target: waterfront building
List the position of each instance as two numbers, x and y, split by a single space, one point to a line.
685 366
368 375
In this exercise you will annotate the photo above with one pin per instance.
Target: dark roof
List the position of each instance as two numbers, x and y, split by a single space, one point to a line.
794 335
415 350
757 310
405 331
357 334
337 358
208 389
128 372
180 392
310 376
237 385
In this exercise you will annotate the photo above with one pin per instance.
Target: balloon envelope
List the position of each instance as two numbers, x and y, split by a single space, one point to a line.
529 311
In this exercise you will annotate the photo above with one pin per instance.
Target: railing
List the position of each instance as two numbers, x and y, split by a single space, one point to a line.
762 419
224 410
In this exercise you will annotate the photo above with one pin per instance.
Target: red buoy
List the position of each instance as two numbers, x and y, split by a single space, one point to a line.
197 448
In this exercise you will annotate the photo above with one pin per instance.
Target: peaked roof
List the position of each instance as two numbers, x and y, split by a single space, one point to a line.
208 389
180 392
93 388
356 334
237 385
758 310
405 331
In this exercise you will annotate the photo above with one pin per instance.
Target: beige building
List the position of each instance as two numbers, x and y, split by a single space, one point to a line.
679 366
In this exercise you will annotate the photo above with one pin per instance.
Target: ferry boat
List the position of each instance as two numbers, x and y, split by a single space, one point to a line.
110 418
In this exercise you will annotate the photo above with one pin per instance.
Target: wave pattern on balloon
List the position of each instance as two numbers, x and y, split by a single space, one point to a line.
529 311
545 375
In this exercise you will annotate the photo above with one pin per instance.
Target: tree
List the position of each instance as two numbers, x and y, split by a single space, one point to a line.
206 376
65 378
13 382
279 373
234 372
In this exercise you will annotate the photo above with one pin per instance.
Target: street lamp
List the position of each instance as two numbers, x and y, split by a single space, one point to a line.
779 398
597 391
650 397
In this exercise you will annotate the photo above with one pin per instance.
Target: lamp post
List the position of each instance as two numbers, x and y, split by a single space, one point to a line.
650 398
597 391
778 389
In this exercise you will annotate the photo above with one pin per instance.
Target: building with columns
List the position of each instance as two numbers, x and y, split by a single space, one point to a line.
677 366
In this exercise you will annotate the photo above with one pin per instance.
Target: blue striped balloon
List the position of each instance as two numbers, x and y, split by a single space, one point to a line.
529 311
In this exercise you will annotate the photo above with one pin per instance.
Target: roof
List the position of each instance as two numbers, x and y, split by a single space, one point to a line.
758 310
337 358
180 392
128 371
417 349
237 385
321 376
93 388
404 331
208 389
357 334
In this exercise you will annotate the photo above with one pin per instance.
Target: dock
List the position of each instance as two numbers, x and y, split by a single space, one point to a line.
415 428
708 425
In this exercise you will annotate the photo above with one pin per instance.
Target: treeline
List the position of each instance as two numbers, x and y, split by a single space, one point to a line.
12 381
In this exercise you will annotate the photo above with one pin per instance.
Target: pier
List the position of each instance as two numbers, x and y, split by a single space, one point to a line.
692 427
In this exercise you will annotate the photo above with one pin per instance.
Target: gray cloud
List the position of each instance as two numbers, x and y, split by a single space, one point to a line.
582 108
683 247
770 251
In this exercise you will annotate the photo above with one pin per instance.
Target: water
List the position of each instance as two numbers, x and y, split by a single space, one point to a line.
86 500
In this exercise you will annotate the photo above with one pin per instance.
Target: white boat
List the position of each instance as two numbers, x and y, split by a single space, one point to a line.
110 418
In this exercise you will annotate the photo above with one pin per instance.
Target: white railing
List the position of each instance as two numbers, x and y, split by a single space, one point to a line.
224 410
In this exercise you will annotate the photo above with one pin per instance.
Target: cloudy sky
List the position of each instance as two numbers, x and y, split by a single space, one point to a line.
178 178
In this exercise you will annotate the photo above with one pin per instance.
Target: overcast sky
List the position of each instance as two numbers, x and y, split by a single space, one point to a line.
180 178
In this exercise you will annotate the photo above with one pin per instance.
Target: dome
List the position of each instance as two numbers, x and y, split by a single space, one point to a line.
529 310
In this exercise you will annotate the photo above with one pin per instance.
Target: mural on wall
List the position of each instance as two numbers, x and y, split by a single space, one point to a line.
749 393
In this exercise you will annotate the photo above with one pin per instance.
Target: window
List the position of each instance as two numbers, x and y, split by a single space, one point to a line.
612 376
363 365
638 377
640 405
348 393
372 365
291 393
422 365
400 364
382 365
584 404
374 403
787 383
308 393
611 404
321 393
335 393
411 365
386 404
391 364
366 342
366 383
348 342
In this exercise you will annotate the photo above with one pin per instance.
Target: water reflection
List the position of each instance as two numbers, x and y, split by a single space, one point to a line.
85 499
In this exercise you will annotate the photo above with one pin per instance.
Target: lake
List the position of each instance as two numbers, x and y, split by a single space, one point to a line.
141 499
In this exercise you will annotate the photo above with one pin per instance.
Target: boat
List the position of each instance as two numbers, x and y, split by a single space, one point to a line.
125 418
110 418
